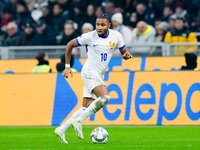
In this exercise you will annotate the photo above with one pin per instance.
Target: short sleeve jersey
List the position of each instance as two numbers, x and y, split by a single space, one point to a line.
100 49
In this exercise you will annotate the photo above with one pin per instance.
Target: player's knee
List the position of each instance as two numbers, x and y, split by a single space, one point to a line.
105 99
101 101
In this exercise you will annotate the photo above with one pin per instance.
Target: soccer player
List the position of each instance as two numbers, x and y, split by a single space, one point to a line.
100 44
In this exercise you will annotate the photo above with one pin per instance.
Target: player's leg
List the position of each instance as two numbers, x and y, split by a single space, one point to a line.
60 131
67 124
103 98
87 101
85 104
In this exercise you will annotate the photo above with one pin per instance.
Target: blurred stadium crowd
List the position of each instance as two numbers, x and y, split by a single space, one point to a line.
55 22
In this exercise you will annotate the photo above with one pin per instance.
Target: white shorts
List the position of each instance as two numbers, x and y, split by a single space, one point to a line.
91 80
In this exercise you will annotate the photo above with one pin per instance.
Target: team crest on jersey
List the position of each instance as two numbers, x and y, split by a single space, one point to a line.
112 44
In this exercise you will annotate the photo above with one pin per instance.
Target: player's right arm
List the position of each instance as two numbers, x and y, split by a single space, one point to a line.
73 43
82 40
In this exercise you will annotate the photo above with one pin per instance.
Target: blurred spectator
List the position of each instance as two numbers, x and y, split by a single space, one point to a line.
181 34
90 15
43 64
2 37
157 22
87 27
99 10
7 16
69 33
195 26
161 31
171 22
143 34
44 34
23 13
47 16
138 15
125 16
109 8
78 14
27 36
140 10
36 14
180 12
118 10
117 24
59 17
56 12
129 6
13 35
142 14
194 10
118 4
40 3
66 4
167 12
30 4
150 14
157 6
2 5
170 3
60 67
191 62
12 5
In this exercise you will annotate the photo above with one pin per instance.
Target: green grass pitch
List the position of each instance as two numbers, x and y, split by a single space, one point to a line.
120 137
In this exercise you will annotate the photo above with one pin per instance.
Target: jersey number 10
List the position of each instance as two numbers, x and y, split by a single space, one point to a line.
103 56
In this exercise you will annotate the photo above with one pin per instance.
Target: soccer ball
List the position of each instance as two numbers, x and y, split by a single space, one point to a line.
99 135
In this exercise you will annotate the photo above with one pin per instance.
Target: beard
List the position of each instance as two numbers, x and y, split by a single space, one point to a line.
102 34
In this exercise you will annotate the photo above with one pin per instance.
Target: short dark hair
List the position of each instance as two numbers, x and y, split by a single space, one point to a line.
40 56
104 16
70 22
59 5
40 22
181 18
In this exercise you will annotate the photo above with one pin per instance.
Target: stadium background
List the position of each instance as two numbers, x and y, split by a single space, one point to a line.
145 90
154 105
143 97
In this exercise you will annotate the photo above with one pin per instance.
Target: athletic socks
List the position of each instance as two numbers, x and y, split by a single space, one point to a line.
67 124
96 105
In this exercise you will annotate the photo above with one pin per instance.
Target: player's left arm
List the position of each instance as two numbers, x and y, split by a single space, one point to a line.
125 54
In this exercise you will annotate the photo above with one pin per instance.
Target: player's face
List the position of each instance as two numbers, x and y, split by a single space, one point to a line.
102 26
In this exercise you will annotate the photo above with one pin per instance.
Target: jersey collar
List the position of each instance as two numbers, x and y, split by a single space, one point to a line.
104 37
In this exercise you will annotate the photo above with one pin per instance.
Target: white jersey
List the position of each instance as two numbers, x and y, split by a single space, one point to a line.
100 49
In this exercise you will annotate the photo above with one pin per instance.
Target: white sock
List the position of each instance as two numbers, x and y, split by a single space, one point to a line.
67 124
96 105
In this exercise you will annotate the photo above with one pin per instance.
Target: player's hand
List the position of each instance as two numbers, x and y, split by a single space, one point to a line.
66 72
127 55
